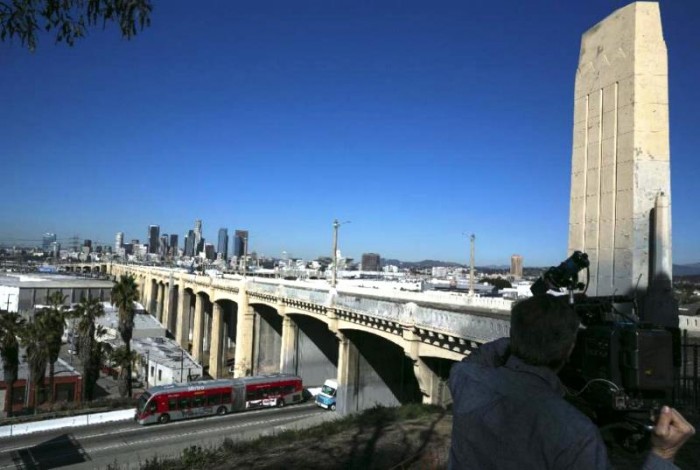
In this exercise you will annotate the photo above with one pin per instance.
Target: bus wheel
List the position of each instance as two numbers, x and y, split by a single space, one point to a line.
164 418
280 402
221 411
333 407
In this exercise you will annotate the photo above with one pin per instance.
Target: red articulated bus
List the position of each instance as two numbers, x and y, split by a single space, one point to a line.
166 403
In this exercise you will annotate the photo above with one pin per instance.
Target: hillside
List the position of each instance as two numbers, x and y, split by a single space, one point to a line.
410 437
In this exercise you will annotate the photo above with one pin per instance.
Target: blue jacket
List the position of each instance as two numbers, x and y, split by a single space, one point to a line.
510 415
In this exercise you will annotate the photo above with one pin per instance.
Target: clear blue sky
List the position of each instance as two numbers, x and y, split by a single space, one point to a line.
418 121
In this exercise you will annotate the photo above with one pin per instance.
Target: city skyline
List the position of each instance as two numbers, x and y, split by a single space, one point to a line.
416 123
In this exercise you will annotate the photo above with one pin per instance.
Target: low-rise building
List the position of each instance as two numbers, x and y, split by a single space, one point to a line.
67 386
163 361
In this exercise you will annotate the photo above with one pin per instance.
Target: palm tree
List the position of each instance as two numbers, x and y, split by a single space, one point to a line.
87 312
124 357
124 294
34 338
55 321
11 325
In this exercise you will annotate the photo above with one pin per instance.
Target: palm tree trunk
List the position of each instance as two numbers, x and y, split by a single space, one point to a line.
10 397
128 371
51 382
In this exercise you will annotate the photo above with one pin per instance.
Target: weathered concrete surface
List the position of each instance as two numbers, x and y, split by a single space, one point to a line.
620 157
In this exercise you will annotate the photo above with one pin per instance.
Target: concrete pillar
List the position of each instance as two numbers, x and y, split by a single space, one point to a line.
348 376
216 342
167 307
620 151
244 336
197 349
183 318
142 293
206 334
288 353
160 302
152 296
429 382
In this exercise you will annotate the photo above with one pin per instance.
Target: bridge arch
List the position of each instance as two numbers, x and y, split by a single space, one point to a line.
374 371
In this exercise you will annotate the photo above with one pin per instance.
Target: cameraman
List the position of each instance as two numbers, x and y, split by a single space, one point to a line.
509 410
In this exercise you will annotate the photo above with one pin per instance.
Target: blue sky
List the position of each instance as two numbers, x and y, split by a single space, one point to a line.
418 121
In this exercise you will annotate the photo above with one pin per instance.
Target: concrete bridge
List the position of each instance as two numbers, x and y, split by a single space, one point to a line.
384 347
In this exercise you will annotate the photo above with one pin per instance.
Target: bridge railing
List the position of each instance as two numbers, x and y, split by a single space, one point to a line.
478 326
470 317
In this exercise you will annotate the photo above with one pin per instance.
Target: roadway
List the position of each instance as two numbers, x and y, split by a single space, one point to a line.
130 444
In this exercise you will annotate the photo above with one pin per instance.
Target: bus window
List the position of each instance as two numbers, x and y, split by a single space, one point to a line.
172 405
213 400
274 391
184 403
197 402
253 395
152 407
225 398
288 389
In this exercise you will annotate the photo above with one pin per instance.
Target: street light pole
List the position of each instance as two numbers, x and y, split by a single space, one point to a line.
336 224
245 255
472 239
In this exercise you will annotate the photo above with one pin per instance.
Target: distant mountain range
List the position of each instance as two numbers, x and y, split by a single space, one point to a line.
692 269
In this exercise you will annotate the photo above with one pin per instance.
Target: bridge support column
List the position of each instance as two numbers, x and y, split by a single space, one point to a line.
160 302
197 345
244 336
183 318
348 376
216 342
167 306
428 381
142 293
152 293
288 356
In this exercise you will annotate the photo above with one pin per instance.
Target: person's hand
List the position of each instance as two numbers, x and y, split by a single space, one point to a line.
670 433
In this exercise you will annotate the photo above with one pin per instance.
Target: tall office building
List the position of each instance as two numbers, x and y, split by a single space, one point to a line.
197 233
209 251
163 244
46 241
118 241
222 247
189 243
55 249
87 244
173 244
240 241
516 266
371 262
153 238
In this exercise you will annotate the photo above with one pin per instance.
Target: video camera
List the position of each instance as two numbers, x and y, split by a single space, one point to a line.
621 368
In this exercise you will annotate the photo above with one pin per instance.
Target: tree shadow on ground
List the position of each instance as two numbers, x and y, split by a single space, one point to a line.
57 452
366 452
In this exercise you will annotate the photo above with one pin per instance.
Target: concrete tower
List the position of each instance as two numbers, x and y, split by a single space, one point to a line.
620 159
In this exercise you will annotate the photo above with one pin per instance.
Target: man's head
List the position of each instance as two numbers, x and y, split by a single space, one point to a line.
543 331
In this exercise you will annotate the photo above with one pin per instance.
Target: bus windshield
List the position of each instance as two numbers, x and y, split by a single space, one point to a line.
141 405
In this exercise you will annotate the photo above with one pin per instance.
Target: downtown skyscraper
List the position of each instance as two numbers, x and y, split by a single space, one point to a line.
239 243
222 247
153 238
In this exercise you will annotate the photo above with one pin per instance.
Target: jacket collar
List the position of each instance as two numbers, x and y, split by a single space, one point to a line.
544 373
